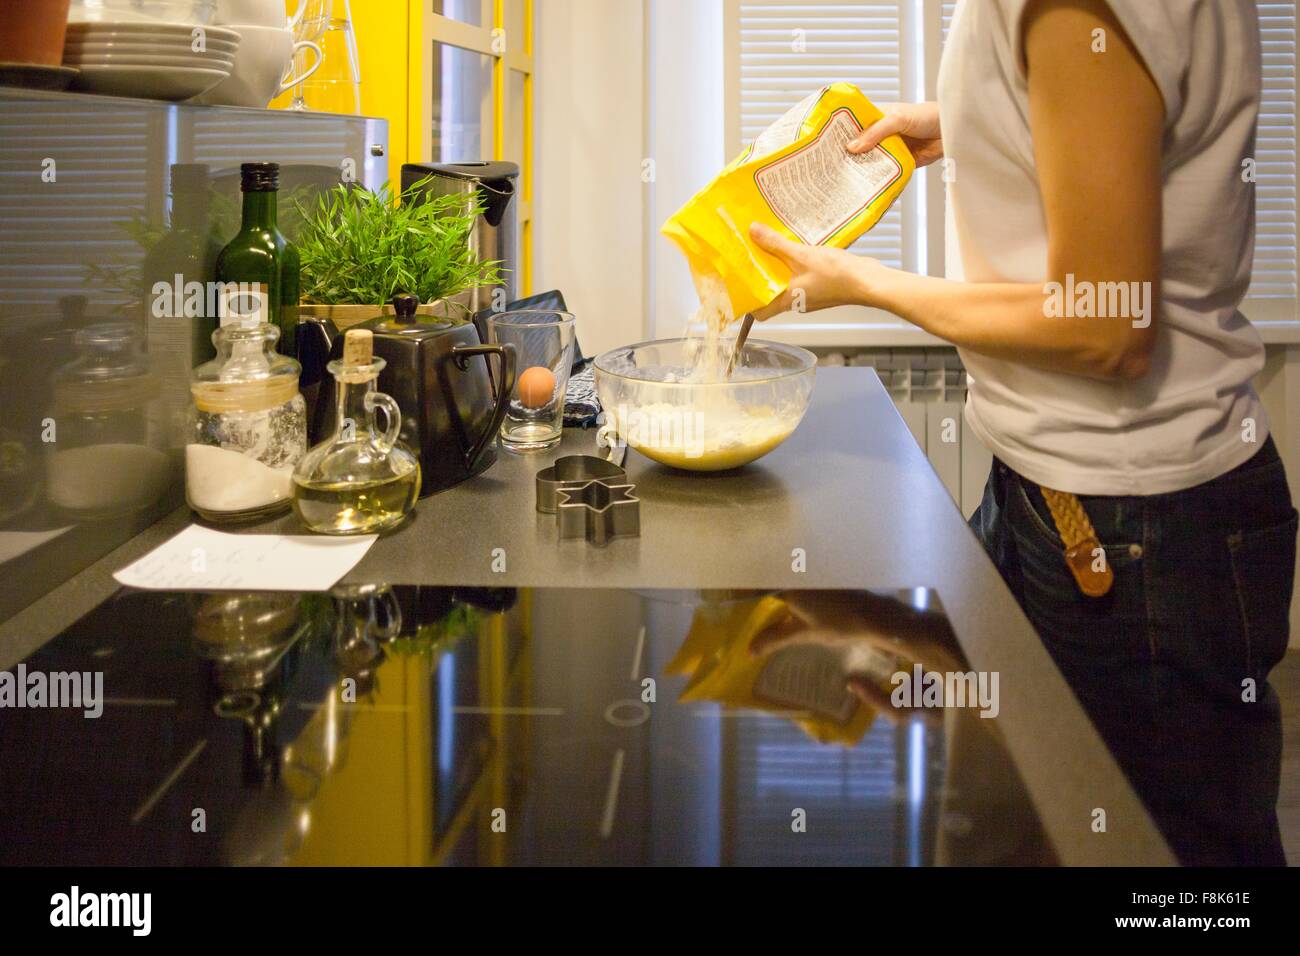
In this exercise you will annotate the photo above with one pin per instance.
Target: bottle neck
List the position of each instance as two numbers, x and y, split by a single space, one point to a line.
350 405
246 356
259 210
190 211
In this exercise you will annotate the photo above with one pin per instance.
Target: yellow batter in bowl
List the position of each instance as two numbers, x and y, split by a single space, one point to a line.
653 401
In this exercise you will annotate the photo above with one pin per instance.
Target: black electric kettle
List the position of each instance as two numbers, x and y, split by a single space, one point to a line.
437 371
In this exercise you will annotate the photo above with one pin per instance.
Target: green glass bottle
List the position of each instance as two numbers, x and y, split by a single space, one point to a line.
260 255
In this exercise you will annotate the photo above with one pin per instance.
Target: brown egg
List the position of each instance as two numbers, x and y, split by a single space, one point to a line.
536 386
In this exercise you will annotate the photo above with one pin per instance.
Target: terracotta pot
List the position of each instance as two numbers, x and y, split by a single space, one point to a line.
32 31
346 316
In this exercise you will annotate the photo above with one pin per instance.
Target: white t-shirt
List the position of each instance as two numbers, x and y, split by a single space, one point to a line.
1185 422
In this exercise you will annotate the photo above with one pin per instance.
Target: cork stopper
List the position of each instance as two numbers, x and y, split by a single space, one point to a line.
358 352
358 347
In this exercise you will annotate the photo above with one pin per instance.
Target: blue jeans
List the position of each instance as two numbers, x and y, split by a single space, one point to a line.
1164 663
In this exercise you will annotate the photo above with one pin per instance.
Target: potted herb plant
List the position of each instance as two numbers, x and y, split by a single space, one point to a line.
360 248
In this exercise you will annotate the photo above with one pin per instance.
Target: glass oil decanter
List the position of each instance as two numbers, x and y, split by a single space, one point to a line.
361 480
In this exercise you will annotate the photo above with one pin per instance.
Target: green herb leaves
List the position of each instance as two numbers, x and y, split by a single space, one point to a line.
362 248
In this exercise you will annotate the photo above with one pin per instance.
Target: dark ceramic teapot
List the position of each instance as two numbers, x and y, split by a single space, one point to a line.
437 370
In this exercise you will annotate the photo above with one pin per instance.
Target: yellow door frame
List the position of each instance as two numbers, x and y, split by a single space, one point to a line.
396 40
508 54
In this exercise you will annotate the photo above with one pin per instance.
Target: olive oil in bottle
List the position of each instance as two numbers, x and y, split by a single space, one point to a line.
356 507
360 480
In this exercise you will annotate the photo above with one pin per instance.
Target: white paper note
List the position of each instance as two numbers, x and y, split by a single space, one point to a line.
200 559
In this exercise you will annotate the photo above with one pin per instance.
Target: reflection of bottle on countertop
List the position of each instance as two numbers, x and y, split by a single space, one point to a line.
260 256
179 314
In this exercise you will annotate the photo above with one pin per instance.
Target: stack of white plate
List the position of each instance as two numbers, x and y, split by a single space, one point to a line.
152 60
129 11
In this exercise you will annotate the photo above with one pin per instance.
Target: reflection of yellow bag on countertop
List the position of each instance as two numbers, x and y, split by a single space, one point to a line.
805 682
798 178
711 627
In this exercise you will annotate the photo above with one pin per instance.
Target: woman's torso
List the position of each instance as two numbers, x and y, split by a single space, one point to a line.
1195 415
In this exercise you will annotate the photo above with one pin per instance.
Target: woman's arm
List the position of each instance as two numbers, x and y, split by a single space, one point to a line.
1097 121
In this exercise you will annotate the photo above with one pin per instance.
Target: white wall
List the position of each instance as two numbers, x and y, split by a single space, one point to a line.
628 127
686 140
589 202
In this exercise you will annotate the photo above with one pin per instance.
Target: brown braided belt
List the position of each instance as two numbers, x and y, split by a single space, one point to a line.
1084 555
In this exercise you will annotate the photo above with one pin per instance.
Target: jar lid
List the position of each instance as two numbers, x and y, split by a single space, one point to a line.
256 396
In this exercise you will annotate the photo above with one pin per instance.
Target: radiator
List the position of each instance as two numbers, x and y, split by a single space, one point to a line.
928 385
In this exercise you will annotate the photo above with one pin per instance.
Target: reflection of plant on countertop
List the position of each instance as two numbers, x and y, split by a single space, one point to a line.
443 634
361 248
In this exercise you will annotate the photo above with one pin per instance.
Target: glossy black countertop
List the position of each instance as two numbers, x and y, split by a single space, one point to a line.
850 489
414 726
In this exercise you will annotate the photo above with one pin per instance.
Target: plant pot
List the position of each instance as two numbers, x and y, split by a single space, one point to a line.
346 316
32 31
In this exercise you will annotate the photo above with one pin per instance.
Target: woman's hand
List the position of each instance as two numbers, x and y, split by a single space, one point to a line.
823 277
891 626
820 277
895 635
917 123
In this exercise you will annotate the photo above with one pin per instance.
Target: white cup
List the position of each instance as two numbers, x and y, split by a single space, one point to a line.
253 13
261 61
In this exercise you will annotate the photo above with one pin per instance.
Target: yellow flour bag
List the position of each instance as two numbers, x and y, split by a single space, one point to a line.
798 178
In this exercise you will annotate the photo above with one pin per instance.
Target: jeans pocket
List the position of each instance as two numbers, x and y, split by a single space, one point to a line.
1043 525
1061 613
1038 517
1263 575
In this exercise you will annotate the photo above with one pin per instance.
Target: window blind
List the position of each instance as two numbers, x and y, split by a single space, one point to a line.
850 792
1274 273
50 232
303 138
946 10
1275 197
789 49
112 176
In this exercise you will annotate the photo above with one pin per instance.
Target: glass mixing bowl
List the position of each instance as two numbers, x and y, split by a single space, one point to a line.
651 404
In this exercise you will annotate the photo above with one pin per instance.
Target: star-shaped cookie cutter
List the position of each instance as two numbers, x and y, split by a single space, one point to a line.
598 511
574 471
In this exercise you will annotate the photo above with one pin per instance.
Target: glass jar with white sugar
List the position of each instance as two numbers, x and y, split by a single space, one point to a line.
249 425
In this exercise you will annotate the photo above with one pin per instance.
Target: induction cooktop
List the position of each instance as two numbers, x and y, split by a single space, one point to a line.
440 726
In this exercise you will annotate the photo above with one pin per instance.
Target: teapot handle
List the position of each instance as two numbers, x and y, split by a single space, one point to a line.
506 355
383 443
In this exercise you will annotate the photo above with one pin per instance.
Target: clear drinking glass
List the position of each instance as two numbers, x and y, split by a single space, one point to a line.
543 340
